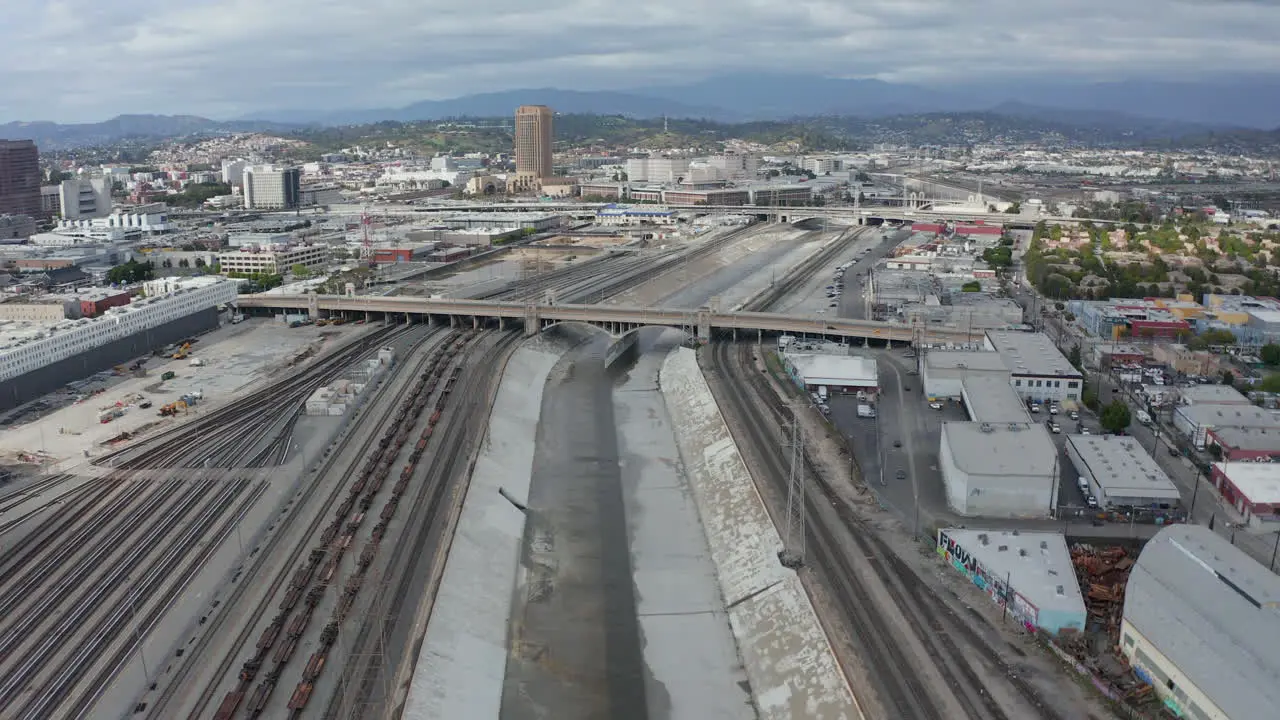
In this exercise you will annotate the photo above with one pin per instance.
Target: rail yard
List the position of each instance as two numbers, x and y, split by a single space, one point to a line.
218 569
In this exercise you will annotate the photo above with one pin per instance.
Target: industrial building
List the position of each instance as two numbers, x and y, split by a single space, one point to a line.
836 373
273 261
1253 489
999 470
269 188
1195 421
626 216
1212 395
991 399
1121 473
38 358
1236 444
1030 573
1039 370
1200 625
20 179
944 371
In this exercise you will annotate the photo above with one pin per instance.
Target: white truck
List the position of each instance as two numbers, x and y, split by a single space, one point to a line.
866 411
1143 417
822 392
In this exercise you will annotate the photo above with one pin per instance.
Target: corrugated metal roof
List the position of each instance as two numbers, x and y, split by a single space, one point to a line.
1215 613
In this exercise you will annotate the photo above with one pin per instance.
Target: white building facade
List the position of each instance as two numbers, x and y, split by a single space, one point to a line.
999 470
68 339
84 197
268 188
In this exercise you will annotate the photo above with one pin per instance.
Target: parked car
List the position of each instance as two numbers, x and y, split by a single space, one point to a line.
1091 501
1074 415
935 405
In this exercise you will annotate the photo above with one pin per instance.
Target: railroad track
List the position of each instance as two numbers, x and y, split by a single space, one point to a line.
405 562
163 704
118 551
935 626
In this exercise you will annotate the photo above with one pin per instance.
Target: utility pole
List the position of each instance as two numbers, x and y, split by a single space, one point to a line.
793 541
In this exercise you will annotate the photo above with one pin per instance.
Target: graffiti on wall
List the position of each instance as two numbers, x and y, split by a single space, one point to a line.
995 586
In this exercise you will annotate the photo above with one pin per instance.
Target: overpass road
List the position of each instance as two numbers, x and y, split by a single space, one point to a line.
617 319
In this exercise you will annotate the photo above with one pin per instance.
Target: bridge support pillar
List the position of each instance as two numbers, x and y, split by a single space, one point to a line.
408 319
704 326
759 337
453 321
888 344
532 325
502 323
475 323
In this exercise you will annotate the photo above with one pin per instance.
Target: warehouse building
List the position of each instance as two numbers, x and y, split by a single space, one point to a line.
1031 572
1212 395
1040 371
836 373
1120 472
1195 421
1253 489
1200 625
999 470
945 371
992 400
1242 444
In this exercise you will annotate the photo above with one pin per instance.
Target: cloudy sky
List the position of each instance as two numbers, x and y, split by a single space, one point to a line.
87 60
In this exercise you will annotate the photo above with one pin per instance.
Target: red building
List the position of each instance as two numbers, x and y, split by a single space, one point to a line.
1158 329
1253 489
979 229
95 304
1245 444
386 256
928 227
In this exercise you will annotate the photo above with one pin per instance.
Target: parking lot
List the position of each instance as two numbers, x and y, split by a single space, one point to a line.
897 451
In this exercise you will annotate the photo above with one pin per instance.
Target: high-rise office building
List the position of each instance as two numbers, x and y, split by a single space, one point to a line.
267 188
20 178
533 141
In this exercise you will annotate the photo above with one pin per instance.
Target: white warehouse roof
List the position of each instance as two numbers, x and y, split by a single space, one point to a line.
821 369
1122 467
1260 482
1030 353
992 400
1037 565
1015 449
1214 612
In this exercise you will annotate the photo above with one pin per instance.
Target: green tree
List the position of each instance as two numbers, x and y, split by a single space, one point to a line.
1115 417
1270 383
131 272
1014 208
300 271
1074 357
1228 378
971 286
1270 354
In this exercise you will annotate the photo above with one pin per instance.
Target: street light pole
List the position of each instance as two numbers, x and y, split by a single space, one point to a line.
1274 550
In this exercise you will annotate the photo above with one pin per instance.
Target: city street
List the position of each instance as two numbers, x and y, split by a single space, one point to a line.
1198 494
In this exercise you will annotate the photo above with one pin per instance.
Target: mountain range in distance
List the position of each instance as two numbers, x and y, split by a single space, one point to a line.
1146 108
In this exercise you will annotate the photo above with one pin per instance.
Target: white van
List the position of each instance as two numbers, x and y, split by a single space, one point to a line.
1143 417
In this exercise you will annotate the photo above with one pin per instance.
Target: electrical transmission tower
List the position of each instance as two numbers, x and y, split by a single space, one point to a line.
793 539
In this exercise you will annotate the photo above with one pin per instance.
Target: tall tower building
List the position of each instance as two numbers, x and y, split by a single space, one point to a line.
268 188
19 178
533 141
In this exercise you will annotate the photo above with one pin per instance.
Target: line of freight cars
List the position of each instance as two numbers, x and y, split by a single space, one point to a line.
313 577
302 693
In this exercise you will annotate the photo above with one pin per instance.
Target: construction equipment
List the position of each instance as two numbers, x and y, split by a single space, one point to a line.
182 351
168 375
172 408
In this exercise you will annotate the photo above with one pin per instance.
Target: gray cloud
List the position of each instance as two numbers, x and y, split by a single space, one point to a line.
76 60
